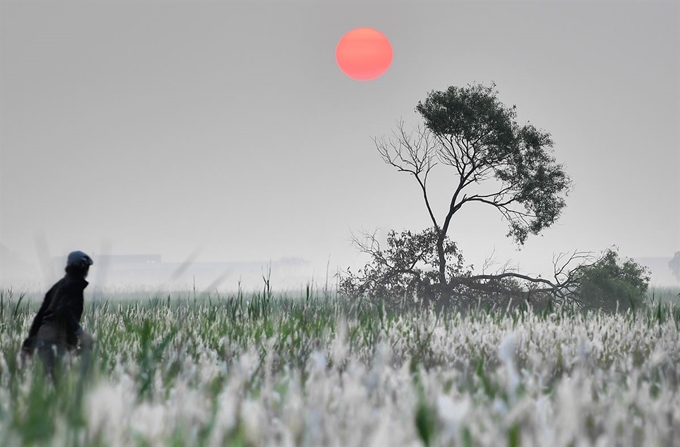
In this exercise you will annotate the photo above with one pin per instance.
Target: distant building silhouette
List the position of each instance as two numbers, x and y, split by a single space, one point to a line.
112 260
128 259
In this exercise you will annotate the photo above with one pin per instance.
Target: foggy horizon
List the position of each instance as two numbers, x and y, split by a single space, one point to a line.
227 131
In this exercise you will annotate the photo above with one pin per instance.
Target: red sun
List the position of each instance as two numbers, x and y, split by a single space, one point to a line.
364 54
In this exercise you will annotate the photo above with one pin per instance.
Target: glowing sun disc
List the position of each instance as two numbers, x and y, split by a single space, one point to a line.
364 54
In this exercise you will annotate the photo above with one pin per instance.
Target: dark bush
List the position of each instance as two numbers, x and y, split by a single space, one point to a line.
609 285
405 272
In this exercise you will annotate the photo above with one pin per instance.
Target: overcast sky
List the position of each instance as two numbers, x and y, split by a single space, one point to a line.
228 126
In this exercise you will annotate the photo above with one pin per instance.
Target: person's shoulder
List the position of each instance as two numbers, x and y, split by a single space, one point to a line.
57 285
74 282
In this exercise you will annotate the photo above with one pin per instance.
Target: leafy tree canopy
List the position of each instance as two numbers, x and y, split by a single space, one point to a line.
480 138
609 284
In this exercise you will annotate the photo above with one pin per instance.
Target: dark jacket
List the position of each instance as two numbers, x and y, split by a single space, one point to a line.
61 308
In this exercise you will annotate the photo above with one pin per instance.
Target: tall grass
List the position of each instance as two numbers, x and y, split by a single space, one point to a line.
664 294
261 369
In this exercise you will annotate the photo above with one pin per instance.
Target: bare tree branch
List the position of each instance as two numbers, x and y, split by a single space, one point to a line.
413 155
489 261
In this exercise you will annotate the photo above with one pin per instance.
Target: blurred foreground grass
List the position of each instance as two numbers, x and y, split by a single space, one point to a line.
267 370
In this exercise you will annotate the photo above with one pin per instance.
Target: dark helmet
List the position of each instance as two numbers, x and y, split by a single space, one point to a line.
78 259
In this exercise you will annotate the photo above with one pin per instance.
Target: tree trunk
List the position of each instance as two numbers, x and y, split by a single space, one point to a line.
443 284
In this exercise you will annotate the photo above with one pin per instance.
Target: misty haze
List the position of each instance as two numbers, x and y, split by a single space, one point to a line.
339 223
179 135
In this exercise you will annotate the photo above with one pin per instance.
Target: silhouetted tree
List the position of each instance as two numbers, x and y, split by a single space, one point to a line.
471 131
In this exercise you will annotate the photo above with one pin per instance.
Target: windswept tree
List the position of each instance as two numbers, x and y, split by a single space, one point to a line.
495 161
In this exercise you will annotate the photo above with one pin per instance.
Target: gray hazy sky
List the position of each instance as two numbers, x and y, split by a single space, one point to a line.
228 126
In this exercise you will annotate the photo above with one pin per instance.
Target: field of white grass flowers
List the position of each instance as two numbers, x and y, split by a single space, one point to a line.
267 371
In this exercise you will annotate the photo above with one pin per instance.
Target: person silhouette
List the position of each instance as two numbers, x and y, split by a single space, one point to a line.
56 328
